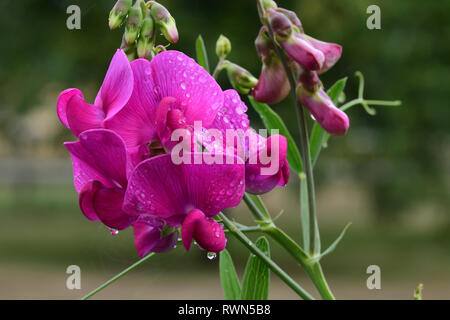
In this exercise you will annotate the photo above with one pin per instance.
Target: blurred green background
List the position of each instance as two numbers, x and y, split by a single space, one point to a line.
390 175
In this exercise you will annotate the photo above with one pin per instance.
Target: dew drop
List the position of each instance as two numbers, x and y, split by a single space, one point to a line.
202 79
211 255
183 86
113 232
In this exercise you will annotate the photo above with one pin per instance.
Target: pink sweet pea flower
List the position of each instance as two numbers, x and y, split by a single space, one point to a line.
250 146
170 92
77 115
185 194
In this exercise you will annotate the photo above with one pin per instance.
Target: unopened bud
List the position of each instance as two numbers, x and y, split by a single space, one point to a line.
331 51
294 43
223 47
146 39
292 16
165 22
241 79
263 44
134 22
322 109
118 13
269 4
273 84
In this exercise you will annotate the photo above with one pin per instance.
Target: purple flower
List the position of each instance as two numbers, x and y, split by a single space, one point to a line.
77 115
185 194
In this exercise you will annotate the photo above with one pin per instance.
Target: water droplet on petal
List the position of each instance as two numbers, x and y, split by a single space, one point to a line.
211 255
202 79
183 86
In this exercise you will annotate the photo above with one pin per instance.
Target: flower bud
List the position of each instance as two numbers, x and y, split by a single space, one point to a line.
241 79
130 50
328 116
292 16
146 39
294 43
331 51
118 13
134 23
273 85
223 47
165 22
269 4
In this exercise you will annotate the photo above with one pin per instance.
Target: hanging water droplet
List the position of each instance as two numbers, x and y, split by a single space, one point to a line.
113 232
211 255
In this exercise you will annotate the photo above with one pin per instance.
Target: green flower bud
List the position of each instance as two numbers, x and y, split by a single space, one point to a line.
223 47
241 80
119 13
165 22
134 22
146 39
269 4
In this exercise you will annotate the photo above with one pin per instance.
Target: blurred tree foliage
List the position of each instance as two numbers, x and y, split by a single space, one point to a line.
401 154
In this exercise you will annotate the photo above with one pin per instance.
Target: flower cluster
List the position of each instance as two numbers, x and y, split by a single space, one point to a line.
123 163
308 57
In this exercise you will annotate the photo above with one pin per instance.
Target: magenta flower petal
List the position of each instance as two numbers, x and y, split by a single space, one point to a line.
161 188
207 232
231 116
331 51
196 92
108 207
258 181
117 85
61 104
135 122
214 187
82 116
147 236
99 155
303 52
189 223
86 199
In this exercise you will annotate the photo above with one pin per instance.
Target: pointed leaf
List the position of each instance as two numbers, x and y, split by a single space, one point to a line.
228 277
335 243
202 56
255 285
318 135
272 120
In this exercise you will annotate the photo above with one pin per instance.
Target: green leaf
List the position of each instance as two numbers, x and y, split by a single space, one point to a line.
334 244
255 285
228 277
202 56
318 135
272 120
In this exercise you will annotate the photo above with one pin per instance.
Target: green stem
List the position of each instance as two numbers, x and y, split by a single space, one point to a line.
118 276
219 67
311 266
370 102
269 262
305 150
